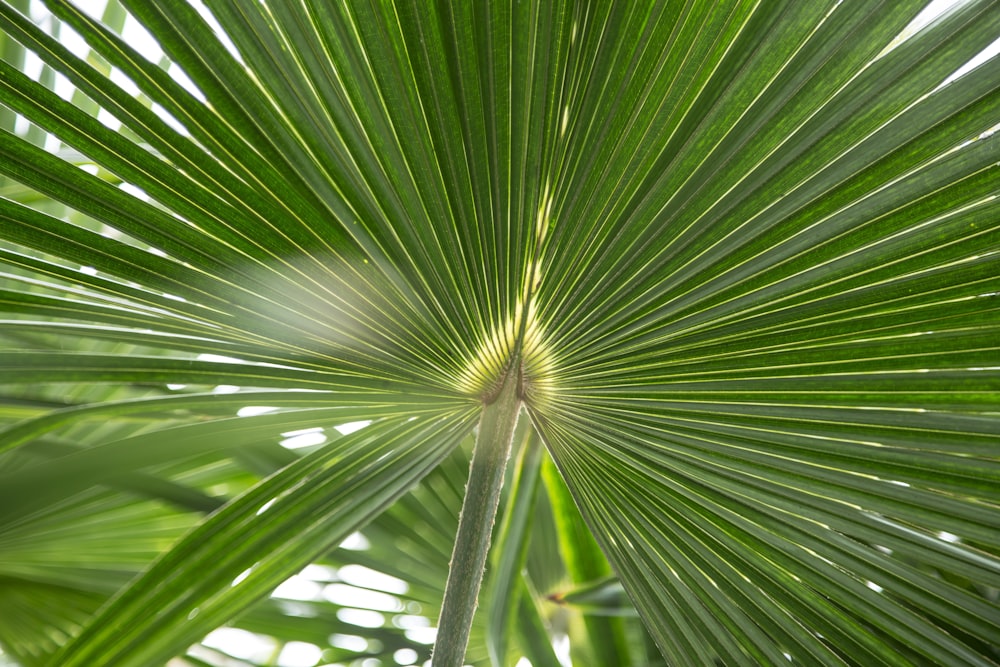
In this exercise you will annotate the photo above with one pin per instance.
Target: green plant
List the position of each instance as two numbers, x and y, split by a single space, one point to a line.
734 264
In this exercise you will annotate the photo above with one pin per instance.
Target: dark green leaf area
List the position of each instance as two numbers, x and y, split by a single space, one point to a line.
727 538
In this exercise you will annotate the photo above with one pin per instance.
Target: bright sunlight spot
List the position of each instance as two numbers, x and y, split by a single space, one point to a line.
356 542
353 596
359 575
422 635
298 587
299 654
242 576
561 647
219 358
363 618
266 506
307 437
254 410
405 656
349 642
319 573
211 20
351 427
241 644
410 622
139 39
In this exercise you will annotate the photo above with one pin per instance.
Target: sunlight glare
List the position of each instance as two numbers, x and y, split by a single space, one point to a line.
421 635
363 618
254 410
241 644
351 427
305 438
298 587
349 642
299 654
359 575
405 656
346 595
355 542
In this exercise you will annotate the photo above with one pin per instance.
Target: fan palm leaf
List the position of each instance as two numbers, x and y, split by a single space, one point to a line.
736 263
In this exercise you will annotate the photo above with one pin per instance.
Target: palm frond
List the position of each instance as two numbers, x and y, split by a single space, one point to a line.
739 258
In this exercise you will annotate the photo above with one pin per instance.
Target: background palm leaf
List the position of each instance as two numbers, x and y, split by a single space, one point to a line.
745 253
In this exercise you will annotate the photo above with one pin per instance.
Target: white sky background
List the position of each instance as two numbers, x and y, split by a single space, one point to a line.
313 582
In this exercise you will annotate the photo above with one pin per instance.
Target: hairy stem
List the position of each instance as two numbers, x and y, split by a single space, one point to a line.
472 543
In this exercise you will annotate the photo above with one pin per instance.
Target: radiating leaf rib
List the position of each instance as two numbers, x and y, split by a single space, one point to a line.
763 195
923 511
209 405
70 280
37 230
94 196
193 403
26 367
121 210
828 632
268 197
187 196
76 309
298 269
11 52
77 470
184 35
864 349
347 484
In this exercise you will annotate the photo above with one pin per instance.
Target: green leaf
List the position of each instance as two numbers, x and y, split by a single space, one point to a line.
510 548
737 259
293 517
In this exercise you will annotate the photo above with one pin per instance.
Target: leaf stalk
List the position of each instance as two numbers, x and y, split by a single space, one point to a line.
475 526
